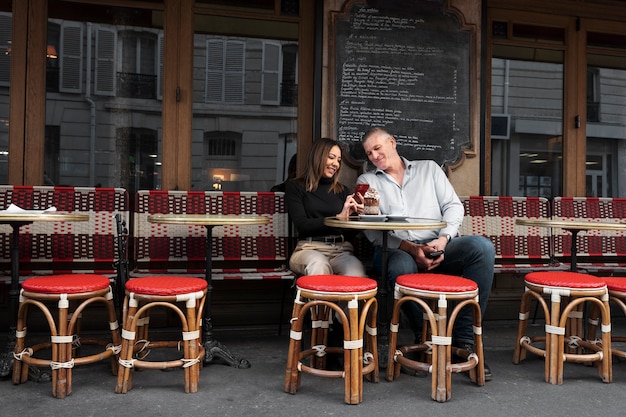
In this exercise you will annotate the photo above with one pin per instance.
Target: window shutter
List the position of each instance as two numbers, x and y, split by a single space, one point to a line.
105 62
225 71
234 70
270 80
71 63
214 71
6 27
160 51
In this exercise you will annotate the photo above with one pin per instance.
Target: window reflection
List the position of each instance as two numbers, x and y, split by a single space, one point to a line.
527 141
103 107
245 122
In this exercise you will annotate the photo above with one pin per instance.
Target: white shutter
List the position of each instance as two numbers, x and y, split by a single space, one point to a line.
225 72
234 69
214 71
160 51
105 75
6 27
71 63
270 79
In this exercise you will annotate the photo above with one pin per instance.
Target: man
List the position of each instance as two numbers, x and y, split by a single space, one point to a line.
421 189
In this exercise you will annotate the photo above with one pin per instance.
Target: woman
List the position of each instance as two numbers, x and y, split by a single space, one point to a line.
310 198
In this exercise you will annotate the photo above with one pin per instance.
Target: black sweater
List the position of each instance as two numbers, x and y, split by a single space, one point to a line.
308 209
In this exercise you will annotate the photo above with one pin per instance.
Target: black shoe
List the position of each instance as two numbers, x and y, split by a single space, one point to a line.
470 348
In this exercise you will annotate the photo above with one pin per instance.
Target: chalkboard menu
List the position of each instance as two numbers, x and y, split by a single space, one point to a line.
404 66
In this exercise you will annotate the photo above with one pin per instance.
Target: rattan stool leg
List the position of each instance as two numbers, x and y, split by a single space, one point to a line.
295 339
124 374
522 327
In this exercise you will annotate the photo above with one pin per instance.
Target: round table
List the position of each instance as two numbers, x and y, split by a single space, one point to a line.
17 219
213 348
573 226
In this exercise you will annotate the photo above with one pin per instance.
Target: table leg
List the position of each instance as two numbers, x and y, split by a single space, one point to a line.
6 356
383 307
574 249
213 348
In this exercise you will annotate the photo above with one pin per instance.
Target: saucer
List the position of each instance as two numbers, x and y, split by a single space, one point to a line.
372 217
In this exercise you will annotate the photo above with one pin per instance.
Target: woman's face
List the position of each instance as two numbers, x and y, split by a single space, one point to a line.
333 160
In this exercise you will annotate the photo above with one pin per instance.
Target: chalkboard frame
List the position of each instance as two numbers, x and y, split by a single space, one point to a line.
449 7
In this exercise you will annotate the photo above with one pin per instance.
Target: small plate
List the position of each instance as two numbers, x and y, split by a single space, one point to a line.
373 217
397 218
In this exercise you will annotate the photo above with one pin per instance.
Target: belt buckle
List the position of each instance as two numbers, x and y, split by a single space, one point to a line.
333 239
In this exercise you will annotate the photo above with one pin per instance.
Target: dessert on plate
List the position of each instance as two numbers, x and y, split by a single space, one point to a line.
371 201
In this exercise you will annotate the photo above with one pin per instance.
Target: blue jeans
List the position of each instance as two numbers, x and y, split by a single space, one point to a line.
470 257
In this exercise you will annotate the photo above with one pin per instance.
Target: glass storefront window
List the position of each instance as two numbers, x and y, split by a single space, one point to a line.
103 103
244 112
527 131
6 27
606 127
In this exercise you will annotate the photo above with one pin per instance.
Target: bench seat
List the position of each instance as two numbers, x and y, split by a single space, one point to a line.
519 249
601 252
249 252
64 247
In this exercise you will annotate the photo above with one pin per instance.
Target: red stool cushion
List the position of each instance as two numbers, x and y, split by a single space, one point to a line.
336 283
564 279
165 285
615 284
437 282
66 283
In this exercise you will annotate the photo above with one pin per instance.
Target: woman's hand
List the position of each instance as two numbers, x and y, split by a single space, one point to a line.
351 206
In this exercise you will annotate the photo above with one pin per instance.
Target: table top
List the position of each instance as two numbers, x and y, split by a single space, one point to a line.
208 219
384 223
37 216
572 224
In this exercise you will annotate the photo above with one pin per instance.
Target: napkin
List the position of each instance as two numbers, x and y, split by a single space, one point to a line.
17 209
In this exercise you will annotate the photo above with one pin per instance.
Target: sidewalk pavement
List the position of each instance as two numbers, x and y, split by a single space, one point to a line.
258 391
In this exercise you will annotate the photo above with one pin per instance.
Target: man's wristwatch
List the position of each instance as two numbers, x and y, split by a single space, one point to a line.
448 237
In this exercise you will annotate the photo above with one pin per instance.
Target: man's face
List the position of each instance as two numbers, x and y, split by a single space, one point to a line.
379 148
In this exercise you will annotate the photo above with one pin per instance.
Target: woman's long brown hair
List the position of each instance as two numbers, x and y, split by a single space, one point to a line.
316 162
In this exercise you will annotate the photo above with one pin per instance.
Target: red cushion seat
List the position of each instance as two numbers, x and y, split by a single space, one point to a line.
615 284
165 285
564 279
436 282
336 283
66 283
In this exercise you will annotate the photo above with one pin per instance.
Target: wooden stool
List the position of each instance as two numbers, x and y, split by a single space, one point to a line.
617 295
66 290
321 295
564 323
143 294
427 289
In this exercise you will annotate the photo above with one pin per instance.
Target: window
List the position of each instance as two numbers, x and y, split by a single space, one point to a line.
52 155
270 84
6 27
139 164
137 75
52 57
225 71
560 78
289 87
593 95
223 145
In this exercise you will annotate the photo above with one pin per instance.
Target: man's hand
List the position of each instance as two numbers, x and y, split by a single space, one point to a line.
420 253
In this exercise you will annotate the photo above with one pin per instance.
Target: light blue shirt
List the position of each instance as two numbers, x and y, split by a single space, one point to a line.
425 192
